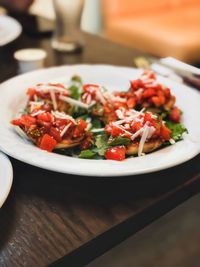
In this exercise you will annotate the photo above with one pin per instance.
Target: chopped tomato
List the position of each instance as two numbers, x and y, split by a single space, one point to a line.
147 117
47 107
136 84
116 153
131 102
90 88
16 122
25 120
80 128
55 133
47 117
31 92
175 114
136 126
165 132
47 143
113 130
149 93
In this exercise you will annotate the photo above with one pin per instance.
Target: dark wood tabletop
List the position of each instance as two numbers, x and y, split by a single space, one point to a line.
66 220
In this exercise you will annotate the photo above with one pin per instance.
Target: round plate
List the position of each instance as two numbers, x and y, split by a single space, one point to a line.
10 29
13 98
6 177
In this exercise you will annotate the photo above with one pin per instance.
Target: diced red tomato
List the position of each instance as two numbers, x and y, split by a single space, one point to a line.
47 107
90 88
116 153
165 132
136 84
80 128
175 114
47 143
31 92
149 93
147 117
55 133
136 126
25 120
167 92
47 117
131 102
113 130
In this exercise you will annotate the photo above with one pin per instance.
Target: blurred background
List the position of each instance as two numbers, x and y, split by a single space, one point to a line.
159 27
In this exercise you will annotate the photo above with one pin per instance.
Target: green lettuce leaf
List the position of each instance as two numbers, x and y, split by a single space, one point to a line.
87 154
177 130
101 144
119 141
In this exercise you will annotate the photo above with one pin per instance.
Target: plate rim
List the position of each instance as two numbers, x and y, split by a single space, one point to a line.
11 37
9 177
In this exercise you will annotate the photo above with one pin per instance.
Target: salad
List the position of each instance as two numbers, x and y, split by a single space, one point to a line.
88 121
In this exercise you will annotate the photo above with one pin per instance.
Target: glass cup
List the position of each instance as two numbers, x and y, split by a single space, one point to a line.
68 36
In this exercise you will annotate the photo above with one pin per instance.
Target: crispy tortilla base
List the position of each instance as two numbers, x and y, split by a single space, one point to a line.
149 146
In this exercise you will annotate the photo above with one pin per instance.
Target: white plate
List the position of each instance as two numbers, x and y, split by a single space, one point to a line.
6 177
12 98
10 29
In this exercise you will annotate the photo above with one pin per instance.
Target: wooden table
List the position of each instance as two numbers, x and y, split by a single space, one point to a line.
65 220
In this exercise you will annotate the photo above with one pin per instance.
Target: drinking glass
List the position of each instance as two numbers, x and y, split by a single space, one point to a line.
67 35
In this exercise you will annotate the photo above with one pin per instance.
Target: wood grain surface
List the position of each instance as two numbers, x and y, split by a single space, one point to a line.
65 220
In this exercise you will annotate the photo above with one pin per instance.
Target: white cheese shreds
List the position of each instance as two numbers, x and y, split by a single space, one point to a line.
143 139
97 130
136 134
151 132
47 87
34 104
53 98
89 126
100 96
35 98
88 99
37 113
62 115
121 128
73 102
172 142
119 114
65 129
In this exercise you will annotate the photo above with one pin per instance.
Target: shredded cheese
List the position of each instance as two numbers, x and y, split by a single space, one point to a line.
47 87
53 98
62 115
121 128
97 130
143 139
38 112
65 129
73 102
172 142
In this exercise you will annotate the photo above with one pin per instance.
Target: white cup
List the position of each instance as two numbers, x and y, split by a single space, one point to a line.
30 59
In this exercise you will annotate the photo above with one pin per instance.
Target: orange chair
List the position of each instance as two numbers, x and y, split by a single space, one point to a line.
159 27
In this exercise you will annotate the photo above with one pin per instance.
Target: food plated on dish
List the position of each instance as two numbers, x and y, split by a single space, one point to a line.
88 121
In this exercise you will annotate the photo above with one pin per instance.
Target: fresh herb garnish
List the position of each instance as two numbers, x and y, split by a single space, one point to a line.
101 144
118 141
177 130
87 154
